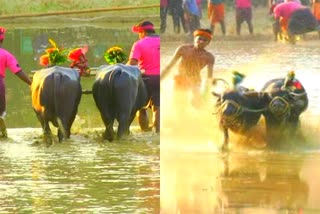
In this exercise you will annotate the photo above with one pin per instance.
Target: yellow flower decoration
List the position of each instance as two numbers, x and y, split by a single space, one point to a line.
115 55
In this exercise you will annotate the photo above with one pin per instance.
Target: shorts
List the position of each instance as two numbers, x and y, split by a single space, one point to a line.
182 82
152 83
216 12
243 14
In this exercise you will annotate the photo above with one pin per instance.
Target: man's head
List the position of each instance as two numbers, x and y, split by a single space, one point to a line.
202 37
2 32
143 28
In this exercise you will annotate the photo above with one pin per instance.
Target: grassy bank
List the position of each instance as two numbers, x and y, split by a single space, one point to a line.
15 7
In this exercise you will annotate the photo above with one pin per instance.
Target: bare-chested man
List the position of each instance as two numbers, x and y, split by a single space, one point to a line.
193 58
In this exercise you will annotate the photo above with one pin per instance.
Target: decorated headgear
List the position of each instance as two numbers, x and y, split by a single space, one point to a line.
2 31
75 54
142 26
115 55
204 33
53 55
237 77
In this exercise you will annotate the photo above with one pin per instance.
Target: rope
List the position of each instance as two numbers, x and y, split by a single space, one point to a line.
297 94
239 108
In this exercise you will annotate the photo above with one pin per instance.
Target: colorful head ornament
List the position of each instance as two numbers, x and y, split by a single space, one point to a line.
2 32
291 75
237 77
115 55
53 55
75 54
141 27
204 33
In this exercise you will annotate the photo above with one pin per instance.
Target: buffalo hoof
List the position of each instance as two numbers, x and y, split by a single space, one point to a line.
147 129
4 134
108 137
3 128
225 148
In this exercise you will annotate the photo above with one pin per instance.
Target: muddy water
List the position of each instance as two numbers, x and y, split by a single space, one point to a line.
83 174
197 178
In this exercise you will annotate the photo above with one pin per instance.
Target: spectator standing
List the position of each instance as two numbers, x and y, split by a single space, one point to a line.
243 13
163 15
216 12
176 10
315 7
192 15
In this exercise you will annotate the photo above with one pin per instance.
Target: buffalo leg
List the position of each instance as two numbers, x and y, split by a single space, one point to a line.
143 120
108 121
123 128
109 132
226 140
47 133
156 118
295 129
45 128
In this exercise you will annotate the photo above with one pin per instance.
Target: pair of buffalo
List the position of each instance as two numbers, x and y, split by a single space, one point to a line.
239 111
119 92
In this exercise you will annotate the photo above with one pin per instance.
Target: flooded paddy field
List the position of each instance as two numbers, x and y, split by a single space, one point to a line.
83 174
197 178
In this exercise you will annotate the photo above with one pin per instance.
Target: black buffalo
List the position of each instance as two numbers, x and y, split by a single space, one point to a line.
56 93
119 92
240 111
284 110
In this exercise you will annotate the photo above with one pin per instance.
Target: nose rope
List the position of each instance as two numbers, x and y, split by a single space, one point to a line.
297 94
234 104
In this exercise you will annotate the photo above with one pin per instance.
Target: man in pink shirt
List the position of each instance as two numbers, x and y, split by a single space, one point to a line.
243 13
293 19
283 11
146 54
7 60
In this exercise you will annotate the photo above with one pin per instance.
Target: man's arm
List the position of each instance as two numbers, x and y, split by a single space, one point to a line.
24 77
132 62
209 79
172 62
210 67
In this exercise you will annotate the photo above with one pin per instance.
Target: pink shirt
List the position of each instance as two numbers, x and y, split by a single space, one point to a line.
7 60
285 9
147 52
243 3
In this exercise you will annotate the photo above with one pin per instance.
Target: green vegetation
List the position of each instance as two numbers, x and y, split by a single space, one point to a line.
14 7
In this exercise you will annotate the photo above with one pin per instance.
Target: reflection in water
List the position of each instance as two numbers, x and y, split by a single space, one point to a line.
197 178
241 182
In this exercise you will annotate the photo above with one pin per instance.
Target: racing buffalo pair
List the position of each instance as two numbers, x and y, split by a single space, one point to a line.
239 111
119 92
